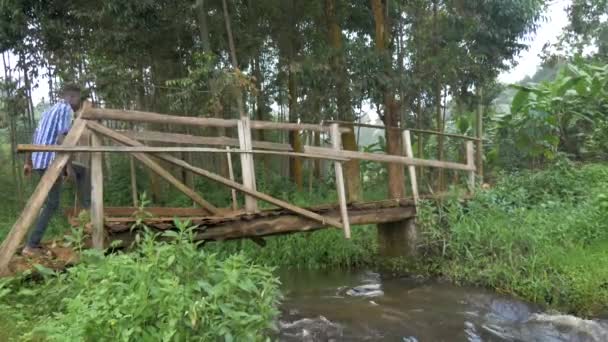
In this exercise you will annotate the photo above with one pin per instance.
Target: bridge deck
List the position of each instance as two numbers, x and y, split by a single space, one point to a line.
238 225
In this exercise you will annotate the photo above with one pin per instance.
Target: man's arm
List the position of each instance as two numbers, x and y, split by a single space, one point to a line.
64 126
28 164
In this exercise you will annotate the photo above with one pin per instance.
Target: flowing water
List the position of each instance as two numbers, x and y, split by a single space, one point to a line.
362 306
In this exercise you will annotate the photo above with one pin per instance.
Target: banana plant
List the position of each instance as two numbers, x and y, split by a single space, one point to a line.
556 116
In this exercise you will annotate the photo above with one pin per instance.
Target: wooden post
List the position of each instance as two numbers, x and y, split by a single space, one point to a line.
407 141
336 144
97 218
133 181
32 207
235 205
471 163
352 167
247 167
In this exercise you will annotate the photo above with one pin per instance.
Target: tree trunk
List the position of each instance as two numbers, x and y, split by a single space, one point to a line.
440 138
295 165
479 134
345 112
202 25
398 238
396 180
317 163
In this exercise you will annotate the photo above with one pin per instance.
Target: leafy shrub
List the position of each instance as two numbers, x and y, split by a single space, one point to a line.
163 291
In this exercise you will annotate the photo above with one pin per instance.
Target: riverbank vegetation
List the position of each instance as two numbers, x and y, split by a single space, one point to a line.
538 235
160 291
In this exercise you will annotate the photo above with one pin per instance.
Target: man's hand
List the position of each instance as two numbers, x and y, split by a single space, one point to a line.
69 173
27 169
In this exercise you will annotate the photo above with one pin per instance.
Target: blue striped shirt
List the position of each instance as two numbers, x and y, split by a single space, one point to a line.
55 121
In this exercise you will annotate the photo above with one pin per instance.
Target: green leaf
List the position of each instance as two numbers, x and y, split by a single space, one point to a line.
520 100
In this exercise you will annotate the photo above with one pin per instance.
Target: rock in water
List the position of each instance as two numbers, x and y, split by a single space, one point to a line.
579 326
370 290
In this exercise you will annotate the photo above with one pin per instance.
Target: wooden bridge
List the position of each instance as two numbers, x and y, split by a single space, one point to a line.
218 223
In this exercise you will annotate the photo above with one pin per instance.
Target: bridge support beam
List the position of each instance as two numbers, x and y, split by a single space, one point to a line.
398 239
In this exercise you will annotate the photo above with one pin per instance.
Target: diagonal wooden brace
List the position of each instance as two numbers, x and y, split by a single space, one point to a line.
158 169
215 177
32 207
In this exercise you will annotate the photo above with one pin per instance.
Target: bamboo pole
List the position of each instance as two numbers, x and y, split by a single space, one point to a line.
337 145
235 204
388 158
217 178
30 213
180 138
97 216
164 149
150 117
133 180
471 163
415 130
407 140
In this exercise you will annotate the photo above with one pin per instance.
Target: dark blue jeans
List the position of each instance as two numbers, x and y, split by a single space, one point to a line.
83 186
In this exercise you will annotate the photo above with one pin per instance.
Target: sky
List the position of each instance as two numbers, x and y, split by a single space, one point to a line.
548 32
526 63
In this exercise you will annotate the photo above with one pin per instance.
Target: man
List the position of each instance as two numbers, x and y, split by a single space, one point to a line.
52 129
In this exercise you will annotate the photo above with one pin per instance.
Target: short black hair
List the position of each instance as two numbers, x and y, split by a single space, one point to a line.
70 88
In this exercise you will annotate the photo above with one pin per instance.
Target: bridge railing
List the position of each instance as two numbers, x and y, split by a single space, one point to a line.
470 145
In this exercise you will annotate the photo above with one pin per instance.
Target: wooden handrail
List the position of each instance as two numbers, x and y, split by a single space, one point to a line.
389 158
150 117
416 130
165 149
178 138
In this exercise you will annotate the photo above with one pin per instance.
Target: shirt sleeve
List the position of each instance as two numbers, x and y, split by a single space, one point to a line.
65 120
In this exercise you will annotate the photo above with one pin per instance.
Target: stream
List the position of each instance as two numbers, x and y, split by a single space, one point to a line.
363 306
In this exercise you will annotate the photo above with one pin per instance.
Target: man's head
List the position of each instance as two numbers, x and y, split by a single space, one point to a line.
71 94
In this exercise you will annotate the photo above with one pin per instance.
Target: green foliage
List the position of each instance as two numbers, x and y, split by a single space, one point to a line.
172 291
535 235
559 115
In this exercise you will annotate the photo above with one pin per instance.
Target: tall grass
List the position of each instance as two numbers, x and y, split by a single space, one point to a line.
540 236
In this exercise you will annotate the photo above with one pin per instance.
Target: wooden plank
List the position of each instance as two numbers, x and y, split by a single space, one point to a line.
385 158
407 139
118 224
97 216
114 212
235 203
168 149
133 180
197 140
217 178
415 130
286 223
32 208
337 145
161 171
471 163
247 167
